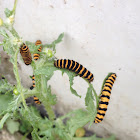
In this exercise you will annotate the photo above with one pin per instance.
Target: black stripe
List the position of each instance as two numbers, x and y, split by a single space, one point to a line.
100 114
80 68
91 77
108 86
69 62
109 83
113 77
65 63
73 64
77 64
111 80
104 109
99 118
87 74
101 102
106 90
83 72
61 63
105 96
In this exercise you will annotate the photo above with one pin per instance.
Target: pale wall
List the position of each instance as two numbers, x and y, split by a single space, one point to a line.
101 35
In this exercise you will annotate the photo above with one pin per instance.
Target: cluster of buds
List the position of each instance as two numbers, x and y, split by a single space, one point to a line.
10 20
49 52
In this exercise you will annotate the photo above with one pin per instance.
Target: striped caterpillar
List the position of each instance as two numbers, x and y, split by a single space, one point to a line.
75 67
33 81
105 96
26 55
37 55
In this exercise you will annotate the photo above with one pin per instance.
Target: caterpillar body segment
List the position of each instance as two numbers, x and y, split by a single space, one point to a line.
37 55
33 81
36 100
105 97
26 55
75 67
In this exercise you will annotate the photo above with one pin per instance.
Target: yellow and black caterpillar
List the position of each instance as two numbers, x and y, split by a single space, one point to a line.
33 81
26 55
37 55
36 100
75 67
105 96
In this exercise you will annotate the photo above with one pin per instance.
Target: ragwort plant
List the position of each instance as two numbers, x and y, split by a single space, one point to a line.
14 111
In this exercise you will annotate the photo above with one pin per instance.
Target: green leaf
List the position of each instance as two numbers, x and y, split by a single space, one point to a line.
25 126
5 86
3 33
4 101
71 76
59 39
76 119
90 104
7 12
12 126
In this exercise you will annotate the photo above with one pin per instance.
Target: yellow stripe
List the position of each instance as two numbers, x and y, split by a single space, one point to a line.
78 68
59 63
106 93
81 70
102 111
104 99
100 116
74 66
66 64
62 63
85 74
109 81
70 64
107 88
111 78
108 84
103 106
89 76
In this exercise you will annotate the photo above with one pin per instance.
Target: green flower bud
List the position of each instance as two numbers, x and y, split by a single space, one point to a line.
50 53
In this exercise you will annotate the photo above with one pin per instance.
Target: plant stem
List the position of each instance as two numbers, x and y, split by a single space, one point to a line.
5 117
44 91
15 5
18 78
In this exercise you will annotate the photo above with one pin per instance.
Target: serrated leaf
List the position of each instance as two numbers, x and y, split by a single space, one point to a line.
12 126
71 76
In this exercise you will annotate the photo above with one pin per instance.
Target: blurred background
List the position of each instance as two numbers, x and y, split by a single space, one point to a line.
101 35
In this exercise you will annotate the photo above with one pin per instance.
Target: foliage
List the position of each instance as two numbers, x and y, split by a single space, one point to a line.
13 108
